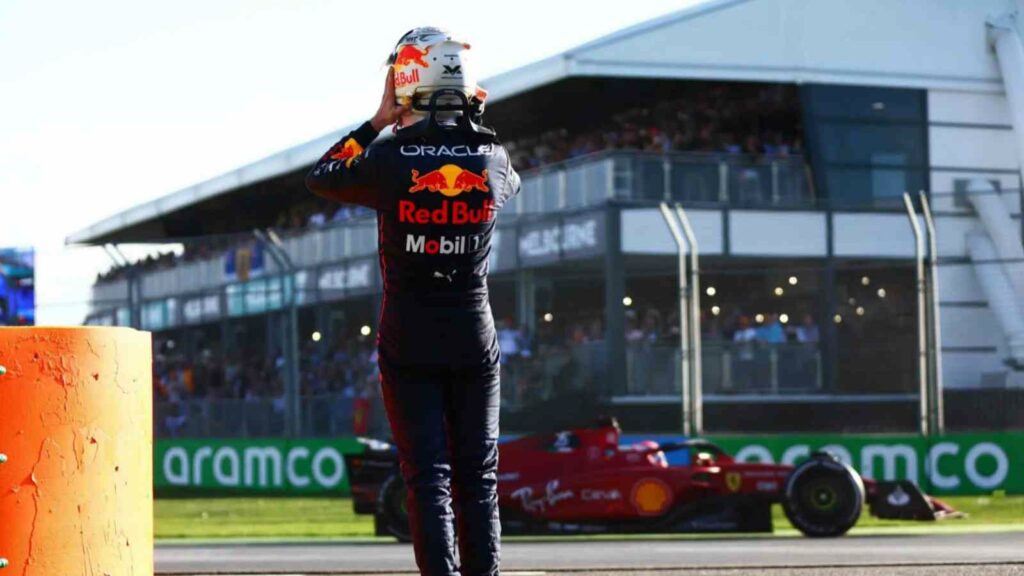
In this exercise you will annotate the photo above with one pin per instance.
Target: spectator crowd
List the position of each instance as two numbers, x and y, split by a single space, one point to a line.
721 119
301 216
565 355
562 357
255 379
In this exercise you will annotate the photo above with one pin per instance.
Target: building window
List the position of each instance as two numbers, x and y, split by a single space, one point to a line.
867 145
876 329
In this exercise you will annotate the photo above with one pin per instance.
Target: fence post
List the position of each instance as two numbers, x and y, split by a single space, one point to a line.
609 177
817 367
666 173
696 377
922 338
776 195
773 360
689 328
937 407
726 368
290 344
562 188
723 182
684 333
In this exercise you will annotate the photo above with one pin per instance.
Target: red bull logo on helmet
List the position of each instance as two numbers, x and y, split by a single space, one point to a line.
403 78
450 180
348 152
411 54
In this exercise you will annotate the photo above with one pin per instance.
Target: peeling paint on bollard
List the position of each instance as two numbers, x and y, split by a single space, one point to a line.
76 489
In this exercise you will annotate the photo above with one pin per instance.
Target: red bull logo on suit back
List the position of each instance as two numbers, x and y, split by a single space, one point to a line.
450 212
450 180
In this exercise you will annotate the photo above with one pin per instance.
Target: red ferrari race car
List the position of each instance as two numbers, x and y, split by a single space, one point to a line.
583 482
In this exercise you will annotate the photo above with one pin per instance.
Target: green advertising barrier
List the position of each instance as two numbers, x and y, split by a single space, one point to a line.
268 466
963 464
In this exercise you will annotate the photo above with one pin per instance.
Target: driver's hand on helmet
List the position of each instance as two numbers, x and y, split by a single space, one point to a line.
389 111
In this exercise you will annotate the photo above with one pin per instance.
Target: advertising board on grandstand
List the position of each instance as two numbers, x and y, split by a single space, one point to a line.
962 464
266 465
17 287
953 464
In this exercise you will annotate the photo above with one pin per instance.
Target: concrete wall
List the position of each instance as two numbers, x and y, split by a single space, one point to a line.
970 136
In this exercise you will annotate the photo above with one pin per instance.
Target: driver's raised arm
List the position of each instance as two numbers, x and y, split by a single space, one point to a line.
350 171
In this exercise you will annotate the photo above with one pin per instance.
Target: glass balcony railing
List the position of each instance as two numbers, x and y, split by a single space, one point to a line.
695 179
537 389
730 370
762 369
691 178
332 243
329 415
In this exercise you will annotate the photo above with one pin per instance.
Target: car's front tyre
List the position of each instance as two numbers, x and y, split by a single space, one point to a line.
823 497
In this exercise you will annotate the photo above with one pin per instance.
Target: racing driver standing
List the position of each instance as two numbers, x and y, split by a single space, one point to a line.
437 185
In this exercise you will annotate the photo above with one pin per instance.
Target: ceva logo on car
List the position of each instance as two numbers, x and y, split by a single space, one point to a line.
947 464
266 467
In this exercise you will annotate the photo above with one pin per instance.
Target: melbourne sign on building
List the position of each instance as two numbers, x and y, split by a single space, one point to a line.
254 465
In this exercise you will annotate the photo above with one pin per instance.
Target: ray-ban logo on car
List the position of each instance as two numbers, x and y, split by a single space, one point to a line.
454 70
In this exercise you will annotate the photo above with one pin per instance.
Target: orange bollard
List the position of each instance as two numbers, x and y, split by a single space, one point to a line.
76 438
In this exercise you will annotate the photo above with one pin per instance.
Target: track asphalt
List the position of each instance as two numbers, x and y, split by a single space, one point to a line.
979 554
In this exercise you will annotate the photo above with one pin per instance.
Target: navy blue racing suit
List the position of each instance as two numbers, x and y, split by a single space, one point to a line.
436 195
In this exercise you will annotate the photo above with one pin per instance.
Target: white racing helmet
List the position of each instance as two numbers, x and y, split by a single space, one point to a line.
429 59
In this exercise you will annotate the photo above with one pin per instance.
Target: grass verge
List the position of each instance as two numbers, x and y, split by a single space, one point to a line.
332 518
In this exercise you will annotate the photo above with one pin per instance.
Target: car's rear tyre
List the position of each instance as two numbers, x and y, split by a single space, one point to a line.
392 516
823 497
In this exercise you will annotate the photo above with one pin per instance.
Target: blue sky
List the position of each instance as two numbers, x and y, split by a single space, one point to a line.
107 104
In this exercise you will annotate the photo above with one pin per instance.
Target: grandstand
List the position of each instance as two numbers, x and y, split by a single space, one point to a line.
788 129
